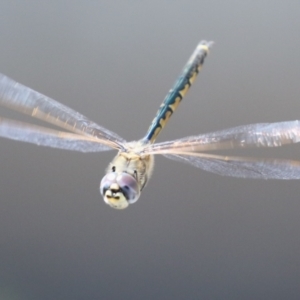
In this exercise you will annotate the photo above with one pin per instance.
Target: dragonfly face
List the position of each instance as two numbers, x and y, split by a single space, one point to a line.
126 176
119 189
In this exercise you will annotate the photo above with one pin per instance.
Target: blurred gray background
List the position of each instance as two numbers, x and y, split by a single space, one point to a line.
192 235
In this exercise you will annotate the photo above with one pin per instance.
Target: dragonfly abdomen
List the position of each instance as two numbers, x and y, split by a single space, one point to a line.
179 90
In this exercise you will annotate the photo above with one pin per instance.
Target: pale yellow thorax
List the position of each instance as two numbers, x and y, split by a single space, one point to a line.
138 166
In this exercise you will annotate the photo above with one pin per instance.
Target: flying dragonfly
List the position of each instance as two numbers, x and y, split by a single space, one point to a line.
130 170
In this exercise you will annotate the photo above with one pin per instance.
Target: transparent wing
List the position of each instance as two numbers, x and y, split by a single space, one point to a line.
42 136
18 97
242 167
255 135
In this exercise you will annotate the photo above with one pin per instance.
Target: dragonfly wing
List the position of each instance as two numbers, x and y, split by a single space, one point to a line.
242 167
248 136
42 136
18 97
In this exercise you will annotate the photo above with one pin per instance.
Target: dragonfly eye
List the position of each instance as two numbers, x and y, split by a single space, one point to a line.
119 189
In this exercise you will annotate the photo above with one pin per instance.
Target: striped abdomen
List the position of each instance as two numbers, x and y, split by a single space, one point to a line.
179 90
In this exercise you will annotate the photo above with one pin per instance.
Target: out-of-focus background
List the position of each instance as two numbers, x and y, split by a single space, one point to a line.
192 235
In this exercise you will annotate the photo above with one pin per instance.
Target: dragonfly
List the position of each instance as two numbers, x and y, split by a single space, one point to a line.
128 173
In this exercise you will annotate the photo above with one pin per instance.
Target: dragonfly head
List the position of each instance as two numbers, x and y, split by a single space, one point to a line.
119 189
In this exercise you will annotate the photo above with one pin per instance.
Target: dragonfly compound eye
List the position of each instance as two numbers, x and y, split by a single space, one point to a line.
119 189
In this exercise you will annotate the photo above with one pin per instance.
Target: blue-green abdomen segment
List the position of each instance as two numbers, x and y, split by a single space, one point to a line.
176 94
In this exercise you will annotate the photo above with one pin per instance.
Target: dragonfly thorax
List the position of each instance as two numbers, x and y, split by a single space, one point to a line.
125 177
